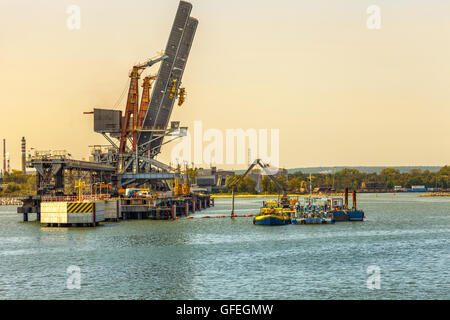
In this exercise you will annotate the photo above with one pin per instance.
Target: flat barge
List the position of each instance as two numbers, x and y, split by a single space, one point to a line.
341 211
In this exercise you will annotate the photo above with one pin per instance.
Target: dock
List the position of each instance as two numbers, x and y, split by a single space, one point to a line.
69 211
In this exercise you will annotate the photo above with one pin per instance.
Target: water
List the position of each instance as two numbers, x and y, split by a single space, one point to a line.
406 236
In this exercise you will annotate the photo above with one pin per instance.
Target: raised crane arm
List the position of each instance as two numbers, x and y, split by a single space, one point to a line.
258 162
132 107
151 62
235 182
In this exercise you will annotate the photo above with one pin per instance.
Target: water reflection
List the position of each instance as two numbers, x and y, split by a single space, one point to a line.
233 259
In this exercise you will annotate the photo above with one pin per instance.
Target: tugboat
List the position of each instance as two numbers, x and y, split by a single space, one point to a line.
341 212
275 213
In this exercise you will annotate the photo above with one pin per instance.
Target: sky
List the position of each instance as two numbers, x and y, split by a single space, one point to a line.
340 94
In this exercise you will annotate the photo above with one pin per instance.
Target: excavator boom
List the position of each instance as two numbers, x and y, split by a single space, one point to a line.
258 162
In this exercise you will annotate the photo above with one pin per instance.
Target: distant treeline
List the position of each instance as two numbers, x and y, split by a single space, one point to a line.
353 179
17 183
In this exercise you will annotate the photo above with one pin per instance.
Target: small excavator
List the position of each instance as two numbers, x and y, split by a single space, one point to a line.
273 212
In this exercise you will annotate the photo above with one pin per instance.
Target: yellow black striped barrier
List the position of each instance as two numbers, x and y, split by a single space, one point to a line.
80 207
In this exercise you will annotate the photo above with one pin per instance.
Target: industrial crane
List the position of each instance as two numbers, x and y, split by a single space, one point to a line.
183 189
146 87
131 109
235 182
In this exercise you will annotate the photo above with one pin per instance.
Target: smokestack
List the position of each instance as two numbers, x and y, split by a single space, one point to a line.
7 160
4 155
24 151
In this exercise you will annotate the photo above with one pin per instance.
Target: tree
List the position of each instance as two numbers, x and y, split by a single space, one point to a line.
266 184
247 185
294 184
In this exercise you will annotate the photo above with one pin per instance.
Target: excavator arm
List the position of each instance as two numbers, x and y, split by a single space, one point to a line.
235 182
263 167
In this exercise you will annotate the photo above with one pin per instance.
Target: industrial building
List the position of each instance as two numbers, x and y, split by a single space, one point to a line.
212 180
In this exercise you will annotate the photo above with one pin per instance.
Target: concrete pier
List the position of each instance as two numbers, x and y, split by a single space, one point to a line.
68 213
162 209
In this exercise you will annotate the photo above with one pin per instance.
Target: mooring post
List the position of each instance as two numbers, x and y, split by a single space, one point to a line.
186 208
93 215
232 201
25 216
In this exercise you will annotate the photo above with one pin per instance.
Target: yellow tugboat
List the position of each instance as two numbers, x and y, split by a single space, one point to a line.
273 214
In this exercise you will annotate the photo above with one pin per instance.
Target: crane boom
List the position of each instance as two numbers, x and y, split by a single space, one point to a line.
151 62
235 182
132 108
258 162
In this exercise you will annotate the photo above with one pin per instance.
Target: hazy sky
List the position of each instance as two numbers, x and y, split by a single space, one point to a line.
340 94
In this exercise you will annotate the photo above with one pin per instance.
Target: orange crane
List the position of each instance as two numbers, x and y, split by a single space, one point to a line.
131 110
146 87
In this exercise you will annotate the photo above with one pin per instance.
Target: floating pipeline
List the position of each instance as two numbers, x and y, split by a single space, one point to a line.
218 217
274 195
436 194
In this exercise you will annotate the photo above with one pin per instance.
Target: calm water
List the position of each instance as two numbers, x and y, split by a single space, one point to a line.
406 236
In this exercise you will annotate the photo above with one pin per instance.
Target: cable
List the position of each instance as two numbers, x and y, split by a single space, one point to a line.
127 84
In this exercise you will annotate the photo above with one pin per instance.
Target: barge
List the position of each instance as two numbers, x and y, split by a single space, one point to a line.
341 211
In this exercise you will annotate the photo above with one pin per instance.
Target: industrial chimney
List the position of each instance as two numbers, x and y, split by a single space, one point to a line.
8 162
24 150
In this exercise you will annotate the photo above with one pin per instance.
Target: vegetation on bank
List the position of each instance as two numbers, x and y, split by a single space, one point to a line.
353 179
17 184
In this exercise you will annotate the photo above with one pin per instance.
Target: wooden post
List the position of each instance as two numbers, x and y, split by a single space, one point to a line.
232 201
174 214
186 208
93 215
